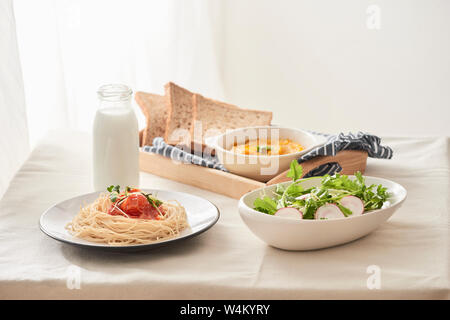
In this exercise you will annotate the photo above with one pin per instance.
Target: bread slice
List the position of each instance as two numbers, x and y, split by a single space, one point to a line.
214 117
155 111
179 117
141 137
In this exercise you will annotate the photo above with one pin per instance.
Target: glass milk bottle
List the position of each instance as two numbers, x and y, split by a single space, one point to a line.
115 139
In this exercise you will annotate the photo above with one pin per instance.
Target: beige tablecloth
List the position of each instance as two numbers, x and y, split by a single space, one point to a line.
411 250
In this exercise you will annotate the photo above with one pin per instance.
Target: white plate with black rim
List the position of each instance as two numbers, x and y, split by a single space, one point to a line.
201 215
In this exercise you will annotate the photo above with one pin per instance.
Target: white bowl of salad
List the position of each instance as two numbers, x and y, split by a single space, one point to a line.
319 212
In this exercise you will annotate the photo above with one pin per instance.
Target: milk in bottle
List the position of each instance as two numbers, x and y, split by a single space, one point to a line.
115 139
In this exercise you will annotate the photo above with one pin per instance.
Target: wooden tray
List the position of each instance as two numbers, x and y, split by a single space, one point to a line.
233 185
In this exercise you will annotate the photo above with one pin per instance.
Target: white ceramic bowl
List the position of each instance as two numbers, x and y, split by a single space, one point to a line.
298 234
260 167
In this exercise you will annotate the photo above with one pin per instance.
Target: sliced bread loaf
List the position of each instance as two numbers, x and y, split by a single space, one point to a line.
179 117
155 111
141 137
214 117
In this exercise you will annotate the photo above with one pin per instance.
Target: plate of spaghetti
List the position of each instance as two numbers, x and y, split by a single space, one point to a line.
129 219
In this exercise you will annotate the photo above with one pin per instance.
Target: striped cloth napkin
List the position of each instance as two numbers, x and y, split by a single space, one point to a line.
350 141
162 148
333 144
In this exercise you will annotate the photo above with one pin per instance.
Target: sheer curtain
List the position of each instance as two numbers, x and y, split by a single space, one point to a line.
68 48
13 122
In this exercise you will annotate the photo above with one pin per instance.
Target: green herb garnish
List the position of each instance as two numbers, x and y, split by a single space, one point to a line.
116 196
152 200
263 148
114 193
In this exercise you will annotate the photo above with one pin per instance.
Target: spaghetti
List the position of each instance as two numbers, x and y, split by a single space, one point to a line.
96 222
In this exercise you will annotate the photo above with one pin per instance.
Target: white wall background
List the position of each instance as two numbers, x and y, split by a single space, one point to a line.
314 63
318 66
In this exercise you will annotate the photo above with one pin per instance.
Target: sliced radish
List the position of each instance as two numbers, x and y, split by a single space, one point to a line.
328 211
353 203
289 212
304 196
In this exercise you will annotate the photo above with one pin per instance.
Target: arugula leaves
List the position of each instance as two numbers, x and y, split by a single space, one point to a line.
346 211
295 171
372 199
331 190
294 189
266 205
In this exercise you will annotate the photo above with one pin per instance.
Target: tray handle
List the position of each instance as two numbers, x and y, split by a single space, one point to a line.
350 161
